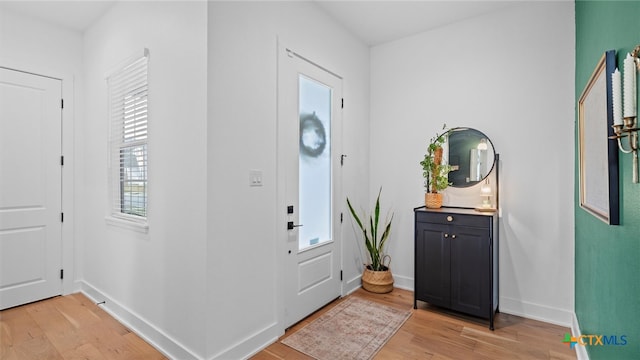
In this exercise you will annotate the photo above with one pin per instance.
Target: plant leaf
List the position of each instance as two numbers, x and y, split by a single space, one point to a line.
374 244
355 216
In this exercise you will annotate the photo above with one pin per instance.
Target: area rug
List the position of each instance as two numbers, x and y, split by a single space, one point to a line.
354 329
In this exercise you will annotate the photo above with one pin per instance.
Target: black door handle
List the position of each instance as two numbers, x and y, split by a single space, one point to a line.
291 226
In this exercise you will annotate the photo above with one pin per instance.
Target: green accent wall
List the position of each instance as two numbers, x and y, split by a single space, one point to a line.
607 258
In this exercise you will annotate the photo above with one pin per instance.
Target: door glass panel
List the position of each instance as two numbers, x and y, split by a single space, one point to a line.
314 189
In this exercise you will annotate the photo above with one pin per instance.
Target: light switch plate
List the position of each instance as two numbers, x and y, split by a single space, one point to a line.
255 177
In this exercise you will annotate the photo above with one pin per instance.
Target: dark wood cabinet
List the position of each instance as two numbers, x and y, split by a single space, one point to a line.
456 260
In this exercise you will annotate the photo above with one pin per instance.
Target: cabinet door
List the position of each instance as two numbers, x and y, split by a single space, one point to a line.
432 264
470 270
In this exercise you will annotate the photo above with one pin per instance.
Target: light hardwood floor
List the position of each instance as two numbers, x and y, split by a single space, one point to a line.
431 333
68 327
73 327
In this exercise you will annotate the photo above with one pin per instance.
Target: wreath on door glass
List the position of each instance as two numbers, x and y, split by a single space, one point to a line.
313 138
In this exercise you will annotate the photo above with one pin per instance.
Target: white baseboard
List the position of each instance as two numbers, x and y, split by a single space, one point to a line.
403 282
250 345
535 311
352 285
170 347
151 334
581 351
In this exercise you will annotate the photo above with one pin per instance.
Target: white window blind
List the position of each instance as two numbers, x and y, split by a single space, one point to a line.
129 119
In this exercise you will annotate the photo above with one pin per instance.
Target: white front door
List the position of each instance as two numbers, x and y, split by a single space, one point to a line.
309 127
30 187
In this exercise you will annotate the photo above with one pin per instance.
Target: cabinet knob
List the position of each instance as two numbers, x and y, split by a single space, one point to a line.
453 236
446 235
449 218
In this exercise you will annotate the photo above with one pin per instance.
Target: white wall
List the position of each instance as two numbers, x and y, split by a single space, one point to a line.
156 281
31 45
509 74
204 281
245 295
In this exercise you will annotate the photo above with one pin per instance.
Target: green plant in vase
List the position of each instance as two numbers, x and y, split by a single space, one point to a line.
376 276
435 170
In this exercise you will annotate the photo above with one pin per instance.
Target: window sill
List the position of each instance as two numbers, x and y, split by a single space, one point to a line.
133 225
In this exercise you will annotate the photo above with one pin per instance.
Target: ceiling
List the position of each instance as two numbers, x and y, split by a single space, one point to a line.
377 22
373 21
74 15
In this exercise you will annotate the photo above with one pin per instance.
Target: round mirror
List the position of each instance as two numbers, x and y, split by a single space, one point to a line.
471 156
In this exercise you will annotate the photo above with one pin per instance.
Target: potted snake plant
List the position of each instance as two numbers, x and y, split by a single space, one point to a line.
376 276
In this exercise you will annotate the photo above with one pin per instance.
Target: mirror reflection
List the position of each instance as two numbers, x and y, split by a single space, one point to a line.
471 155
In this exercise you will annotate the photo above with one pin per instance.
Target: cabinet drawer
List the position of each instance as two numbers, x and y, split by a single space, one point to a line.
454 219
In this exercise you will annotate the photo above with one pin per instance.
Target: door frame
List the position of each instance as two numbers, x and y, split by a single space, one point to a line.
281 217
67 148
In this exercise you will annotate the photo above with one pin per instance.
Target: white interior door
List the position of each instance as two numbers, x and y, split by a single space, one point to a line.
309 127
30 187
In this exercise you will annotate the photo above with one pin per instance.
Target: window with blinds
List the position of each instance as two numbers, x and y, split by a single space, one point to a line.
129 118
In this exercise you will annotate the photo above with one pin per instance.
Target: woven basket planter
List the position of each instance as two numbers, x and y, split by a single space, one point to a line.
433 200
379 282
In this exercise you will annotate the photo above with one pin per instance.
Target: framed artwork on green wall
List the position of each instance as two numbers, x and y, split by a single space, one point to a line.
598 157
